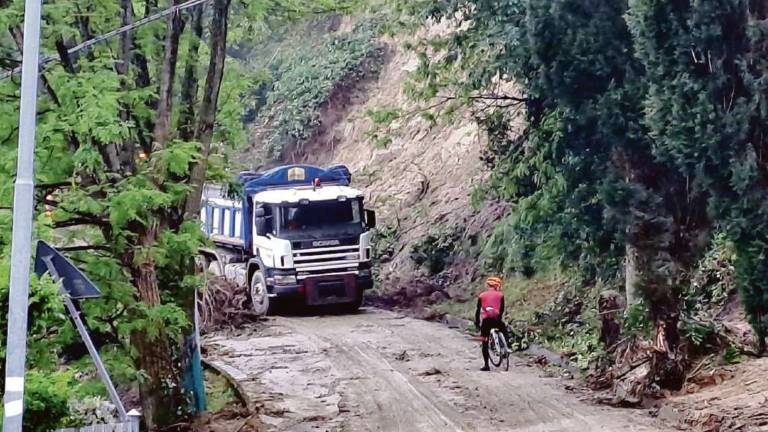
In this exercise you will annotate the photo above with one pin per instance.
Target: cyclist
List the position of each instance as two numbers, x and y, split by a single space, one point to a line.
489 313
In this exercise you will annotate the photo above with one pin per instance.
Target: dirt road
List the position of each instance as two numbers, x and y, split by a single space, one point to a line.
379 371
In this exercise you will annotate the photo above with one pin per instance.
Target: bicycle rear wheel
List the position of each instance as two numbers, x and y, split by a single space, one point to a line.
495 349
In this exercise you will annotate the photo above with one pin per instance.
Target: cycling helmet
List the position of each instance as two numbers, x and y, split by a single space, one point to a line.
494 282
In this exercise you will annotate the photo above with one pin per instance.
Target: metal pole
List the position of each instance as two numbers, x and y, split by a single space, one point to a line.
103 374
80 326
23 208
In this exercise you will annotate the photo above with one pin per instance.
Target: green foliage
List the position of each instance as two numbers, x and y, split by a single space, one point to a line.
702 57
218 391
309 76
383 116
751 274
702 335
116 193
580 344
46 399
712 282
384 243
521 338
645 122
436 250
383 121
732 356
635 321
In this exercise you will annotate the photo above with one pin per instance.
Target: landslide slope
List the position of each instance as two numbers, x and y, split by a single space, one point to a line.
420 181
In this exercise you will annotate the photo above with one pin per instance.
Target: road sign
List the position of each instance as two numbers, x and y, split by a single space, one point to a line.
75 282
76 285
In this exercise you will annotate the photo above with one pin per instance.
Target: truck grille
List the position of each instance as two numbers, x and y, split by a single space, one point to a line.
328 261
315 244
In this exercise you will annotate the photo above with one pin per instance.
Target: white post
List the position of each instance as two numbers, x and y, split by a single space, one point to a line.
23 209
630 276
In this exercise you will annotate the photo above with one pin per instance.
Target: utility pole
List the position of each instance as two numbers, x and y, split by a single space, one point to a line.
23 209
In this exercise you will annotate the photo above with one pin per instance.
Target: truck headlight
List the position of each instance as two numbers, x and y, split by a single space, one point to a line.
285 280
364 273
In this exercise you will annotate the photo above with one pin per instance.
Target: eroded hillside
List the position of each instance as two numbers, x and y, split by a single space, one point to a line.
418 173
420 181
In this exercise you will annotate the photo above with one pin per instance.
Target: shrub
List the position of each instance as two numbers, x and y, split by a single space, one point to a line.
309 77
436 250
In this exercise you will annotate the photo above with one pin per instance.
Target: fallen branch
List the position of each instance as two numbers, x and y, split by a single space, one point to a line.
613 347
78 221
698 368
632 368
84 248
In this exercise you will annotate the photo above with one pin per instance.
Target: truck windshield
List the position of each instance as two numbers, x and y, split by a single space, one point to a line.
321 215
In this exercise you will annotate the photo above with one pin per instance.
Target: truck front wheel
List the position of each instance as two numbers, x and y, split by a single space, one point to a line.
260 301
353 307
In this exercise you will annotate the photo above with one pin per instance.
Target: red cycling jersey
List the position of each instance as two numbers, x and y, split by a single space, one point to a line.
490 304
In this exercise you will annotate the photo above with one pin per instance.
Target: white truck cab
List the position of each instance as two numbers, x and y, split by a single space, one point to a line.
297 232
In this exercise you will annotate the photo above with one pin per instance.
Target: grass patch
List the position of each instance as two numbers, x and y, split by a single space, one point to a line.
465 310
525 297
218 392
307 77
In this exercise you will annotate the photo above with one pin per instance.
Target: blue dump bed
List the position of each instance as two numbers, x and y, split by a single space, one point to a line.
293 175
225 220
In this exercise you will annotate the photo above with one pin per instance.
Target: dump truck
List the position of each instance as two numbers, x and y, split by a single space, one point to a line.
295 234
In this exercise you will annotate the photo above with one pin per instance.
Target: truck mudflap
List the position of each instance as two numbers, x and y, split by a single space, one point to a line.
332 290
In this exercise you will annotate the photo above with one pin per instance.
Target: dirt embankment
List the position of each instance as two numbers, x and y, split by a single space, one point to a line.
731 398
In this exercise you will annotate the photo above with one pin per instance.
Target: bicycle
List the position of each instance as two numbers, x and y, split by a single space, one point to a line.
498 349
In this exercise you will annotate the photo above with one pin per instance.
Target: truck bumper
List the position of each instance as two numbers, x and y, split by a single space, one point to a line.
286 291
324 290
365 283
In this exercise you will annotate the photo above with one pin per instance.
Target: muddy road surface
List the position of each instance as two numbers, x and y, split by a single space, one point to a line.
380 371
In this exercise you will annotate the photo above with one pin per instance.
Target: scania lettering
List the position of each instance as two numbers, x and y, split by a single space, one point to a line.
295 232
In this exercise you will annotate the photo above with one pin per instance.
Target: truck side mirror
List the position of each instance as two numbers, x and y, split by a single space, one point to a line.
370 219
260 221
261 226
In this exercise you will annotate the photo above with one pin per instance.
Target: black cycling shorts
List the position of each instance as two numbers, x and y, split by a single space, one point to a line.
488 324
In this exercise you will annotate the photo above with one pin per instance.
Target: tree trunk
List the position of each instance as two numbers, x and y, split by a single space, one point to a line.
126 39
208 107
167 76
630 276
189 82
159 400
126 153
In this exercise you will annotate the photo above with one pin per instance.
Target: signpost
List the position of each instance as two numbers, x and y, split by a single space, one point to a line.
23 211
23 208
75 285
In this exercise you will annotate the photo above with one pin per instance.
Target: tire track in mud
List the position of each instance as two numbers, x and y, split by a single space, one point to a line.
385 388
378 371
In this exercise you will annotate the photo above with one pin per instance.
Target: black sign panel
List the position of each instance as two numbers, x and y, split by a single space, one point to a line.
75 282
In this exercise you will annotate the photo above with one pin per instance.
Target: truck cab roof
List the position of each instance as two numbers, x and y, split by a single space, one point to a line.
297 194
